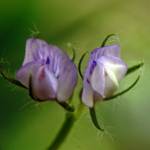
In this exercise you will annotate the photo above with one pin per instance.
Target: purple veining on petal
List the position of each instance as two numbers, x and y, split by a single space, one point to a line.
94 63
88 81
113 50
47 60
35 51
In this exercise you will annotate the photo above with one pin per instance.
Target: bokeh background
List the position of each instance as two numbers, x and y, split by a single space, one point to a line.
26 125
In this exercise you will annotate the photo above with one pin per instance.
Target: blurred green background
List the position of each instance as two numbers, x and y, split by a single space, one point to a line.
84 24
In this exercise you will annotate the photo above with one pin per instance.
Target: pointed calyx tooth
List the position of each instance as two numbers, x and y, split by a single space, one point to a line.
106 39
80 63
94 118
124 91
134 68
12 80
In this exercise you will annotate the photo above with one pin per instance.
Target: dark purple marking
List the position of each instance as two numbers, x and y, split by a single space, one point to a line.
88 81
94 63
47 60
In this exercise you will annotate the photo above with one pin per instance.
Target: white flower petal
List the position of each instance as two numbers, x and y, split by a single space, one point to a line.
115 70
98 79
24 72
66 81
87 95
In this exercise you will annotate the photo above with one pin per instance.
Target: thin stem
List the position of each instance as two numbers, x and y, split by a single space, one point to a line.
64 131
66 106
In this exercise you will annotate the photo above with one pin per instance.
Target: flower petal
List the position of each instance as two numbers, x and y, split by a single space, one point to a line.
35 49
45 84
24 72
110 86
67 80
115 70
114 66
63 69
113 50
87 95
98 79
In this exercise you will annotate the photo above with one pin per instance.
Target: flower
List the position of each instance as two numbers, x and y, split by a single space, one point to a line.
104 71
54 75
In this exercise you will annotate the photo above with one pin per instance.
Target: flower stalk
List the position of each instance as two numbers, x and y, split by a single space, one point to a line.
63 132
70 119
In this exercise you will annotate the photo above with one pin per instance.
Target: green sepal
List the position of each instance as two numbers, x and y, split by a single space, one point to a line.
11 80
79 65
94 118
134 68
124 91
73 55
106 39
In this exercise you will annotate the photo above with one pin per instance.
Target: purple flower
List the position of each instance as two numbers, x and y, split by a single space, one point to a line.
104 71
54 76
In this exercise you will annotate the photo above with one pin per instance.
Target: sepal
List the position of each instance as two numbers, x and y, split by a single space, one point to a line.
106 39
124 91
73 55
94 118
134 68
80 63
11 80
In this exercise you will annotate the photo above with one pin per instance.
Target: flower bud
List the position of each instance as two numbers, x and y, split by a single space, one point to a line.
54 76
102 76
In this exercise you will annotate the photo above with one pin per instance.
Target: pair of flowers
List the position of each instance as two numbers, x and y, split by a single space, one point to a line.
50 74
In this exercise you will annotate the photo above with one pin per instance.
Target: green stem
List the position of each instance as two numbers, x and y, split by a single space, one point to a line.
64 131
